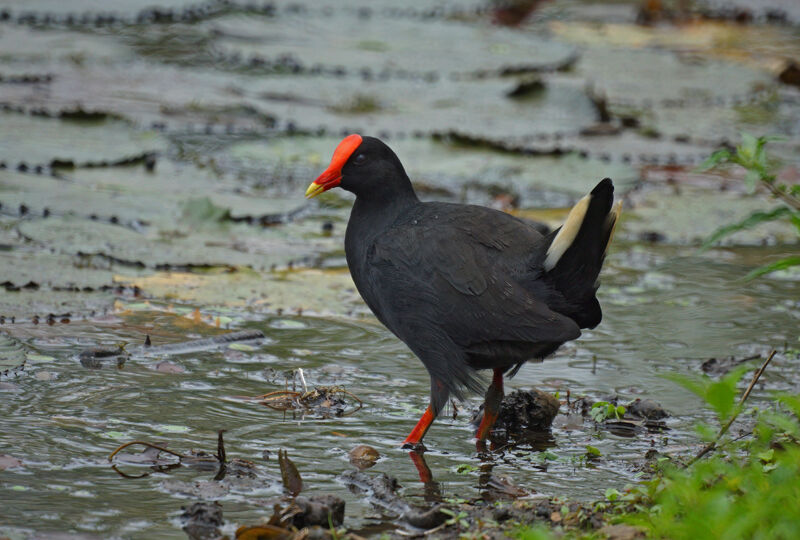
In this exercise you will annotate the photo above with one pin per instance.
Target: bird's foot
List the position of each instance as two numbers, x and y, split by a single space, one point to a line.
417 447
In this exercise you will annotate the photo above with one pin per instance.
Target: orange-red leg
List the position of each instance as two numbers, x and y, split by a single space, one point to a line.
415 437
491 405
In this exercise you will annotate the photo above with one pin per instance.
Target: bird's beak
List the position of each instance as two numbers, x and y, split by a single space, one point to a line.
327 180
332 176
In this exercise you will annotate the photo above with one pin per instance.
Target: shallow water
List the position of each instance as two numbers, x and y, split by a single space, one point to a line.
185 145
666 309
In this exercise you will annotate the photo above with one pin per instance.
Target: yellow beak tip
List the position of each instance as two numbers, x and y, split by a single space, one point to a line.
314 190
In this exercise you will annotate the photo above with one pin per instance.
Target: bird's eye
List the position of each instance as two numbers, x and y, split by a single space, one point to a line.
359 159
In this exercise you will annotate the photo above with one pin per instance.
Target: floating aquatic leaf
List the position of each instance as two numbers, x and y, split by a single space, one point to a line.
291 477
47 139
241 347
168 428
34 358
321 292
9 462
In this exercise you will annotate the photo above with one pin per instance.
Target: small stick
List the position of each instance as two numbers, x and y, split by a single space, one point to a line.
221 447
724 429
275 395
302 380
145 443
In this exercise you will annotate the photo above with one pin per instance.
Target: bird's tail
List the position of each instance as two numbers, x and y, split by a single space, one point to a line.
576 251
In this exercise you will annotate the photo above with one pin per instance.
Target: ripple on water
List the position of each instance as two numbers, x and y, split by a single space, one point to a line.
70 423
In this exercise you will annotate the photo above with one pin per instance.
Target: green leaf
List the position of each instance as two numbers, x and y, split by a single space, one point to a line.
795 219
782 264
791 402
592 451
694 384
751 180
717 158
767 455
722 394
719 395
748 149
749 222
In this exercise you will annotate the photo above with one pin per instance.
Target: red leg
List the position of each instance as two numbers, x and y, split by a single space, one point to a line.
491 405
416 435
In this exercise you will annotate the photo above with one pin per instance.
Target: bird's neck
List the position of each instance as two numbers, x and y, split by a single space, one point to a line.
379 208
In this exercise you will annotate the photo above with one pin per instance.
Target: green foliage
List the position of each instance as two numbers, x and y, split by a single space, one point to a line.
782 264
592 452
458 519
749 490
749 222
752 156
538 532
466 468
719 395
603 410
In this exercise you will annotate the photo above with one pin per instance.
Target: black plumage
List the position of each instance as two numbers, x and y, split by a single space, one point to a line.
467 287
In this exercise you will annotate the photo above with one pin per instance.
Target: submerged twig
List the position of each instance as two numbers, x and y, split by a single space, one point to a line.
724 429
284 400
302 380
144 443
221 448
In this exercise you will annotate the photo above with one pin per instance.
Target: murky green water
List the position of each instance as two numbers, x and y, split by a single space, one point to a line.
152 167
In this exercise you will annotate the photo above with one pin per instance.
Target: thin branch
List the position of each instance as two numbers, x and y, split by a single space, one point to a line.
145 443
724 429
788 198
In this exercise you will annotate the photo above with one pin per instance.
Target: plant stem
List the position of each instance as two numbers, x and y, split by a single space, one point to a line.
787 198
724 429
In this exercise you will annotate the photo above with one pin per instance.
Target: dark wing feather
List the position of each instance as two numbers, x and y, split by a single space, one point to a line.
443 302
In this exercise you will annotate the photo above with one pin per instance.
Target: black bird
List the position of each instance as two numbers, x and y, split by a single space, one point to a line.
466 287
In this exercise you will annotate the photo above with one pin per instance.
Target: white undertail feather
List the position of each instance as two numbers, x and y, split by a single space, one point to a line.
567 234
612 220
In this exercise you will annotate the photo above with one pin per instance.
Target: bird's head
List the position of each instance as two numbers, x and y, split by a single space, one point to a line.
364 166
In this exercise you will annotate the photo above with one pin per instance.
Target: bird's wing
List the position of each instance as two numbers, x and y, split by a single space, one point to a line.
456 276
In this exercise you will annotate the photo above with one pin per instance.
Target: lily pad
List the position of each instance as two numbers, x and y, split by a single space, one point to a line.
639 76
311 292
12 352
726 40
402 45
691 216
450 169
47 139
23 46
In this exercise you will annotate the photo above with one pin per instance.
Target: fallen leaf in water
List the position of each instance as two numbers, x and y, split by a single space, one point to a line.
169 367
45 375
262 532
363 456
289 473
9 462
